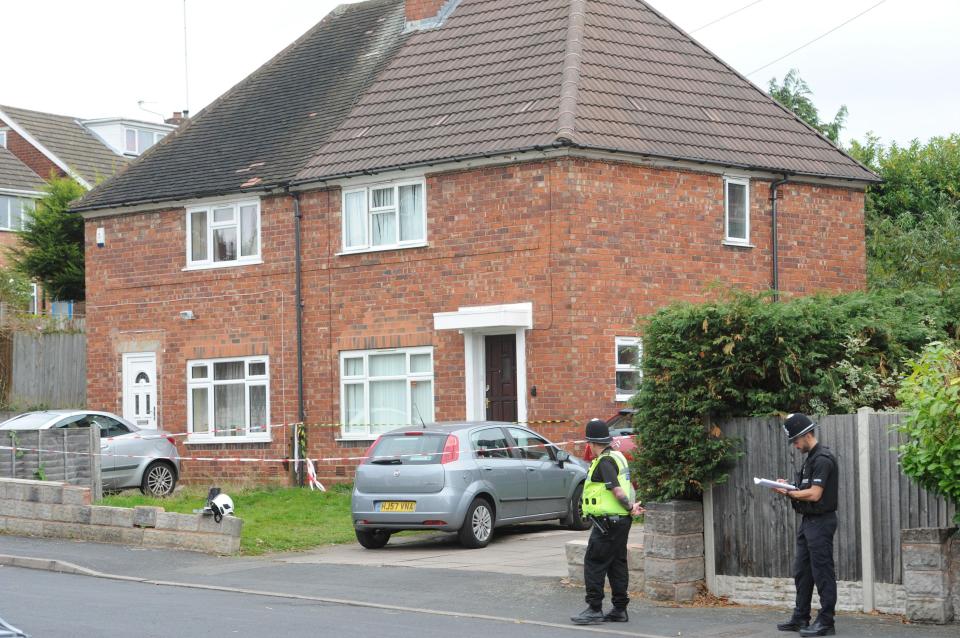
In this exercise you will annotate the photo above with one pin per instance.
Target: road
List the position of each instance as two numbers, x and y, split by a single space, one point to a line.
50 604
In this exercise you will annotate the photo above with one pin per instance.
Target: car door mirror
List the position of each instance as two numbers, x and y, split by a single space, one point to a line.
562 457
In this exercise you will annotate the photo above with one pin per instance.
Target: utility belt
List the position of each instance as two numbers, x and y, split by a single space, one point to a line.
612 518
605 523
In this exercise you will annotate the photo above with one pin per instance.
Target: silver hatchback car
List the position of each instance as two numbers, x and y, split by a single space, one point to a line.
464 477
131 457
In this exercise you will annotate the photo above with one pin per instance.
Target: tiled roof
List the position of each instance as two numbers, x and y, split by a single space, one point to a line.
63 136
356 94
503 75
263 130
16 175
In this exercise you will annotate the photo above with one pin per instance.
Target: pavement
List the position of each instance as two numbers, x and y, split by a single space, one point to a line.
518 578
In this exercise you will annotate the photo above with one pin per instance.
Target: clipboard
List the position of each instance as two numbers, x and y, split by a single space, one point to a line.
762 482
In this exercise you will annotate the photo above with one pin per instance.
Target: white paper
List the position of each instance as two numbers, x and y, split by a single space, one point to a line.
773 484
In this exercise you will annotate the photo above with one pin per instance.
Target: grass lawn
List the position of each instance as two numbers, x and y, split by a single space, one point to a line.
276 519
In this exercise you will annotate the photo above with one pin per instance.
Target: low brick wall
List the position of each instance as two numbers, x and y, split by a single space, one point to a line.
58 510
576 549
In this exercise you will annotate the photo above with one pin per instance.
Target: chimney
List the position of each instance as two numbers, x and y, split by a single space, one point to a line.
177 118
423 9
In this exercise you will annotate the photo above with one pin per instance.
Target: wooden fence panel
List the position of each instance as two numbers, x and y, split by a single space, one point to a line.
912 508
754 530
49 370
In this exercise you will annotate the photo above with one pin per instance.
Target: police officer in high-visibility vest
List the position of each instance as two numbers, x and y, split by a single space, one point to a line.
816 500
608 500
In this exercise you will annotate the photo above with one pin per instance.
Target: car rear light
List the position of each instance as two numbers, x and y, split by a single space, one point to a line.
366 455
451 450
172 440
435 523
413 433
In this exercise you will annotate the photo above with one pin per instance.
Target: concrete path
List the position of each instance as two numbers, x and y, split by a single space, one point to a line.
529 550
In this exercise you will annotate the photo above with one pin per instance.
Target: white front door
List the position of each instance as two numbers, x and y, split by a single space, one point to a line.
140 389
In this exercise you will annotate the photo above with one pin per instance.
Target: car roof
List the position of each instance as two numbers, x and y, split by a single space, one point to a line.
45 416
449 427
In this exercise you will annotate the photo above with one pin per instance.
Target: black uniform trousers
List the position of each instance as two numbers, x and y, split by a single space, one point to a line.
607 557
814 566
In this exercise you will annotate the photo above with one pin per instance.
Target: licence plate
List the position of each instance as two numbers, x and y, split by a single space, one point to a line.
398 506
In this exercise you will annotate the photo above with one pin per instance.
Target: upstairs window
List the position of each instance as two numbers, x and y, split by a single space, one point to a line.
138 140
737 210
14 211
627 371
3 138
384 216
225 234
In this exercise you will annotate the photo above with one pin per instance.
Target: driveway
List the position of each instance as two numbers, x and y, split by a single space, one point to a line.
534 549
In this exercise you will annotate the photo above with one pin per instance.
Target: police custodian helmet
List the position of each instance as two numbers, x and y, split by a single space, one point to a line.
598 432
797 425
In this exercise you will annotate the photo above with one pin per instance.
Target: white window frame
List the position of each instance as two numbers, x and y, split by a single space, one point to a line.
26 207
632 342
369 433
241 260
745 182
209 383
34 299
367 190
3 138
157 136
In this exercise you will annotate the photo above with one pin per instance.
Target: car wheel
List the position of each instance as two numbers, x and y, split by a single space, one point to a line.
477 525
575 518
159 479
372 538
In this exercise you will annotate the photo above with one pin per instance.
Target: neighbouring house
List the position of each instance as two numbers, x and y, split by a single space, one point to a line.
446 210
35 146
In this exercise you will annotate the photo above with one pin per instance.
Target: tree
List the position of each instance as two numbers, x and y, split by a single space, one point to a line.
50 250
930 453
14 289
795 94
918 179
908 252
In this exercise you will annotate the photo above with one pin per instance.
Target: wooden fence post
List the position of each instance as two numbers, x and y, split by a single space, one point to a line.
866 508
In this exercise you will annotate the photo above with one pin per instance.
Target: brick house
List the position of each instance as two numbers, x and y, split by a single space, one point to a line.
474 200
36 145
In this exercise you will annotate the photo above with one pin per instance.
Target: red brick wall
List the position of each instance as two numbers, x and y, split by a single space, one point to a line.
8 239
31 156
591 244
420 9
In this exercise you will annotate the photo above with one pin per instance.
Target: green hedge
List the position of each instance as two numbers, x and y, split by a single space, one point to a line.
746 355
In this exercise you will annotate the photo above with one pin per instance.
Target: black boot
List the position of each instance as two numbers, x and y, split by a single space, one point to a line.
794 624
588 616
818 628
616 614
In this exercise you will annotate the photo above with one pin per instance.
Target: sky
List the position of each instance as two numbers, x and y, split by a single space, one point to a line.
895 64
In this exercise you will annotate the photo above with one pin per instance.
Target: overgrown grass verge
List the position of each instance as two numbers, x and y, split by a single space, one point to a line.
275 519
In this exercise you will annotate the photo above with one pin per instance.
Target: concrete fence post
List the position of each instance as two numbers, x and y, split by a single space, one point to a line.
866 508
673 550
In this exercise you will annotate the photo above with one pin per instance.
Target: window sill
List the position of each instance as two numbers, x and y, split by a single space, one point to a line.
380 249
738 244
223 264
361 438
623 398
194 439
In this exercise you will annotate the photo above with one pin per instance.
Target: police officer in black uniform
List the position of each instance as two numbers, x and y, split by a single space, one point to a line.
608 500
816 500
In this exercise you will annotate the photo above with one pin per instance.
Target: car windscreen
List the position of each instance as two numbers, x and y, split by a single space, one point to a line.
408 449
30 421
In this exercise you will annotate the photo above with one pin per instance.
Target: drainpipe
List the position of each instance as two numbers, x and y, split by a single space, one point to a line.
297 219
773 225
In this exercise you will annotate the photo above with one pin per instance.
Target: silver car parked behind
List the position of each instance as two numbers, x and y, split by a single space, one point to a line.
131 457
463 477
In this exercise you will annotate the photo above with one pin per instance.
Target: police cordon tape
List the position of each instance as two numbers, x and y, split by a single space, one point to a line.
419 455
266 428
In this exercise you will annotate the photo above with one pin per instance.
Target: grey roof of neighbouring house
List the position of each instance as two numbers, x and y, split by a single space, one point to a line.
16 175
69 141
356 94
264 129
